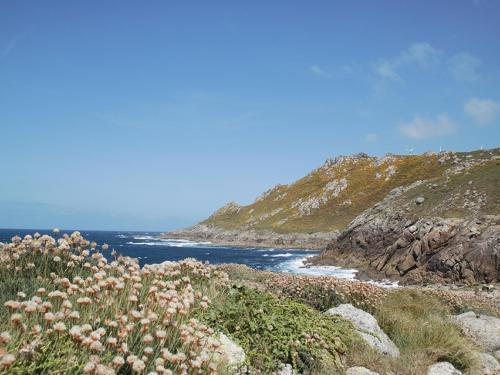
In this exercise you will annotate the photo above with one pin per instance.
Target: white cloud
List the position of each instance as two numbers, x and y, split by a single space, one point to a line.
422 54
370 138
482 111
419 54
463 67
316 70
420 128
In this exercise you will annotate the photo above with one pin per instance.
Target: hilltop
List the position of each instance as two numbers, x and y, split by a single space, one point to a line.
451 192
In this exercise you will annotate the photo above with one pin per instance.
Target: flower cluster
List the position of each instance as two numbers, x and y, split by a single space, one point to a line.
321 292
62 297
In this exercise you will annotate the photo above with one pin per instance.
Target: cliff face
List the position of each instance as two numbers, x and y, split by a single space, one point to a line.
412 217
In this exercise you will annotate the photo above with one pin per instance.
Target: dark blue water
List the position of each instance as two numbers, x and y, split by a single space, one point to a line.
149 249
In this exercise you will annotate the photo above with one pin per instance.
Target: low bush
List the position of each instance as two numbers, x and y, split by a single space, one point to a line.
275 331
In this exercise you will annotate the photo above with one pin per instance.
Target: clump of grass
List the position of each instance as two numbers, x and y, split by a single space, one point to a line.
275 331
421 328
66 309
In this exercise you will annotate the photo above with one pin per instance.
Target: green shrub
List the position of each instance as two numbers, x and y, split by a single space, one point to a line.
275 331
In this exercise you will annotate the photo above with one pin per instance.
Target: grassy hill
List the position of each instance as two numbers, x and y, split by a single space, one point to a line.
331 196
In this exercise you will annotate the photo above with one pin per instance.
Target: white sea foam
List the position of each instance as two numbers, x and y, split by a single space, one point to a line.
144 238
121 236
297 266
286 255
169 243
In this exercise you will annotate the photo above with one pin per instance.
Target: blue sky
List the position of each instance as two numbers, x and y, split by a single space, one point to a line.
150 115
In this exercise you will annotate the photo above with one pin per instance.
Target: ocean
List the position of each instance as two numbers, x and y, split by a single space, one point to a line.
150 249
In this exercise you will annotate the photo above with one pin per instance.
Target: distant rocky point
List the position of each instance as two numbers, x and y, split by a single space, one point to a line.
419 218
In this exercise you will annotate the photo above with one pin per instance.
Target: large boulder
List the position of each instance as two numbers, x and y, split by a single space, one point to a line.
360 371
487 364
443 368
232 354
483 329
367 327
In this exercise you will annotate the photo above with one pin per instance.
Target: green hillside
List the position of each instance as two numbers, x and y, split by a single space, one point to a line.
332 195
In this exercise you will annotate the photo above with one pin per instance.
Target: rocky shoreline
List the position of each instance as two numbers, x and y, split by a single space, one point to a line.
432 250
252 238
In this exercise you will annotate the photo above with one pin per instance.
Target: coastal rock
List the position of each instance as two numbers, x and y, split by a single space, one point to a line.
360 371
483 329
367 327
443 368
488 364
231 353
428 250
252 238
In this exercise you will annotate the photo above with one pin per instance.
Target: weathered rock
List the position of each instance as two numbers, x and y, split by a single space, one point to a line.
367 327
419 200
231 353
496 354
483 329
430 250
287 370
443 368
360 371
488 364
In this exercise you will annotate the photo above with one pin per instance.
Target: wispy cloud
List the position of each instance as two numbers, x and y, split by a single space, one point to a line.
370 138
317 71
482 111
421 128
463 67
418 54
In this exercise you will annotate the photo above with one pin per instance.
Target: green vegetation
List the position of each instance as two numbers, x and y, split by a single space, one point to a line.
65 309
276 331
417 321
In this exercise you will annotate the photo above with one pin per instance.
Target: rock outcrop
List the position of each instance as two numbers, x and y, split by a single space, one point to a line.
360 371
418 218
424 250
483 329
487 364
367 327
232 354
443 368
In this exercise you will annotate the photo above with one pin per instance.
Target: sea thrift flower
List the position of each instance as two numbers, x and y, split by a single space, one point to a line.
138 366
7 360
5 337
118 361
59 327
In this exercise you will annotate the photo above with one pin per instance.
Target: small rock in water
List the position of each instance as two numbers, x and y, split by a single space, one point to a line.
419 200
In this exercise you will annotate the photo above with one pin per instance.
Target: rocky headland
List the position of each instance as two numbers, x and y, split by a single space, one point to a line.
427 218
